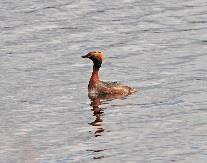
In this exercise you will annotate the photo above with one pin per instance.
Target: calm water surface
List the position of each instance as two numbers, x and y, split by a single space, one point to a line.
156 46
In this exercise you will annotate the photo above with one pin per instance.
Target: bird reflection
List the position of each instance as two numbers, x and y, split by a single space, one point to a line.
98 111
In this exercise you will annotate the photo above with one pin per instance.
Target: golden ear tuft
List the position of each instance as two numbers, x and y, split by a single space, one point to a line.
98 54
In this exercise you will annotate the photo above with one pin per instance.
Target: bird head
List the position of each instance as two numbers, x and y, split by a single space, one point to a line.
96 56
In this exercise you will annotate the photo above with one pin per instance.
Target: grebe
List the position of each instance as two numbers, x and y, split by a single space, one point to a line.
100 88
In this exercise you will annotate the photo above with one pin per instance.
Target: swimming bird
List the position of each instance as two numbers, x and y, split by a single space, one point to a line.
96 87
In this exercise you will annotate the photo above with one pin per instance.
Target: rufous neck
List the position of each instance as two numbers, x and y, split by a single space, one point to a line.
95 75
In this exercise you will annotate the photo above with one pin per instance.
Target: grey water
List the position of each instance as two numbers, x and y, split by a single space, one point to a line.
156 46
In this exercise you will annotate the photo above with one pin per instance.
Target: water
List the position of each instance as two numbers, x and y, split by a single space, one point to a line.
156 46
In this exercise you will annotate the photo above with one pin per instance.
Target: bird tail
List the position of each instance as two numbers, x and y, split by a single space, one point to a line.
133 90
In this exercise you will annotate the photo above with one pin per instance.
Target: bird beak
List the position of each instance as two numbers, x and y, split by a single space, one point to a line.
85 56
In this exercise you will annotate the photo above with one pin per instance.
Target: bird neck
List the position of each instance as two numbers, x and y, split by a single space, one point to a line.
94 77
